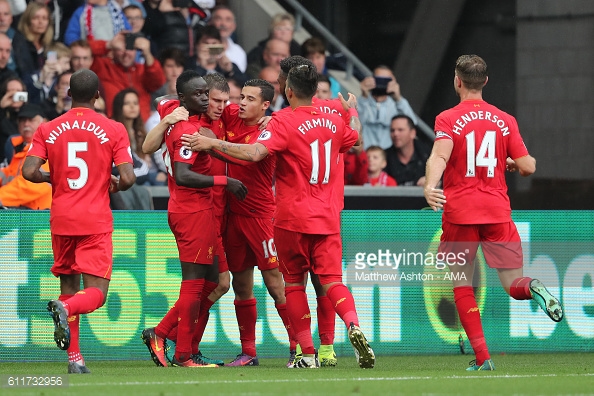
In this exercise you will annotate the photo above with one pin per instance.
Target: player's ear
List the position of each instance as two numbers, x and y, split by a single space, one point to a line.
265 105
486 80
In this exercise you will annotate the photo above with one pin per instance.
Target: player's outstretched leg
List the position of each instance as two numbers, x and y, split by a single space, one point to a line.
549 303
61 329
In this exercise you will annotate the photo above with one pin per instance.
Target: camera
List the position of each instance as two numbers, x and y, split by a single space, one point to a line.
131 39
215 49
20 97
381 85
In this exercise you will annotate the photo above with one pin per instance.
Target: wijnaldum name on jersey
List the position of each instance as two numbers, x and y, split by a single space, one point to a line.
480 115
90 127
316 123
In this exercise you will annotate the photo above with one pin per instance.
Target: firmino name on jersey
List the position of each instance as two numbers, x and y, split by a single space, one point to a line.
316 123
91 127
480 115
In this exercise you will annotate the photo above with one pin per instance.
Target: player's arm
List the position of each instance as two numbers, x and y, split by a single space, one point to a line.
248 152
350 107
526 165
154 138
436 164
32 170
126 180
185 177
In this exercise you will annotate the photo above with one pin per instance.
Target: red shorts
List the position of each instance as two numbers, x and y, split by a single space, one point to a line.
250 243
298 253
222 220
501 243
197 237
83 254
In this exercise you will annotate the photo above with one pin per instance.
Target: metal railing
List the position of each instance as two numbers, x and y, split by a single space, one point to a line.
352 61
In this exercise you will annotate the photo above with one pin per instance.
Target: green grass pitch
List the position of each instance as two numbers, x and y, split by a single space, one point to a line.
524 374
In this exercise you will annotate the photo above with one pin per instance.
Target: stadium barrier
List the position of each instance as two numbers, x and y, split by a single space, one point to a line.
403 295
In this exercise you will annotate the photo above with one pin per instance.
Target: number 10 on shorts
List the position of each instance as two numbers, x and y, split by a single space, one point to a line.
269 248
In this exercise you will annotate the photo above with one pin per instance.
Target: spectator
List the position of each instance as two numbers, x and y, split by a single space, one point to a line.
97 21
378 105
81 56
5 53
355 166
407 157
167 26
271 75
15 191
9 108
172 62
123 72
376 159
148 168
40 84
135 14
35 25
208 59
100 106
22 64
59 102
275 51
234 90
324 91
314 49
282 27
224 20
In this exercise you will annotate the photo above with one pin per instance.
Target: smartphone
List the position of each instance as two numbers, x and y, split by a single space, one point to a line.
381 85
52 56
130 40
20 97
215 49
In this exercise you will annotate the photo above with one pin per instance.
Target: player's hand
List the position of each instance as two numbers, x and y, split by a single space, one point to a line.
262 122
511 165
113 184
237 188
204 131
197 142
179 114
435 198
350 103
421 181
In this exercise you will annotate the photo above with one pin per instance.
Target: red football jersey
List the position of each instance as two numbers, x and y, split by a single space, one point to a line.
307 143
257 177
81 146
185 199
474 178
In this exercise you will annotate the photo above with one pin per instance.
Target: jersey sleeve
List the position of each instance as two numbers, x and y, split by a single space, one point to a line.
516 147
122 153
180 152
349 138
442 128
38 147
274 137
166 106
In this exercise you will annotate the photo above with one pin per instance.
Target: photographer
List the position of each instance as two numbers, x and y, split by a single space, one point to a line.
13 96
210 56
380 101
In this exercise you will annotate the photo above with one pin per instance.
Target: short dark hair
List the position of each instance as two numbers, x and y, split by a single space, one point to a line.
323 78
472 70
174 54
296 60
208 31
84 84
411 123
266 89
182 80
80 43
313 45
378 149
217 81
303 80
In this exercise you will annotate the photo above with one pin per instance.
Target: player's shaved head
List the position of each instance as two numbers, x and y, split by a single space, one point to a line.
292 61
266 89
303 80
84 84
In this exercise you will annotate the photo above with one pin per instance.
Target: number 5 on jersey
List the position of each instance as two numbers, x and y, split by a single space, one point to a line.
79 163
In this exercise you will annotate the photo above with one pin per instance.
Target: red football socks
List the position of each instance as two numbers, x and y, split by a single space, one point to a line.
343 303
84 301
188 305
282 312
471 321
247 314
520 289
167 328
205 305
300 317
326 320
73 323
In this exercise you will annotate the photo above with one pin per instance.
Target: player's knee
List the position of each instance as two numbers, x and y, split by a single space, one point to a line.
223 287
